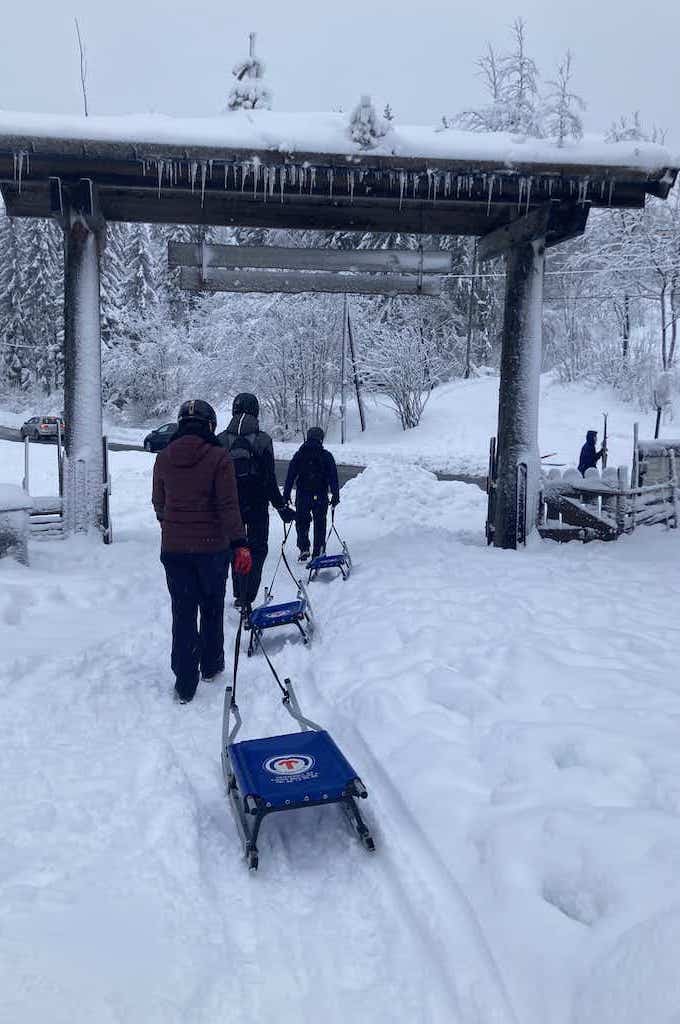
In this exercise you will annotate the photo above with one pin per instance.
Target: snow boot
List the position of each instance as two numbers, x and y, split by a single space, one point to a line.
304 556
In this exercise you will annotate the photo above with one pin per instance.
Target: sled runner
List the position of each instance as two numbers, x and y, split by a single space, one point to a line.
341 561
286 772
292 613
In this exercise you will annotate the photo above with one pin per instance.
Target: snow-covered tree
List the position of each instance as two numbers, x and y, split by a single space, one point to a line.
42 302
13 347
562 108
249 91
141 282
366 127
113 282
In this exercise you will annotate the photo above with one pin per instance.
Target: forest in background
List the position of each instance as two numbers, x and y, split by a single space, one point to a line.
612 305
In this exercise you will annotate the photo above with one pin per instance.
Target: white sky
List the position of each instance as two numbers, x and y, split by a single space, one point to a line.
176 58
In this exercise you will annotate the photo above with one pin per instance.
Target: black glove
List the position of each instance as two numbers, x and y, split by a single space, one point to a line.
335 500
287 514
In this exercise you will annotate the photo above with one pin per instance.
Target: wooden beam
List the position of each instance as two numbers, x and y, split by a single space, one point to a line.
297 282
554 222
380 261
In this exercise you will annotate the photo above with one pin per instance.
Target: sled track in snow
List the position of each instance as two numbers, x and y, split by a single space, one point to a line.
427 892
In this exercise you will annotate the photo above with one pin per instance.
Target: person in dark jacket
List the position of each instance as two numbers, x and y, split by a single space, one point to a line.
589 454
313 473
196 502
252 452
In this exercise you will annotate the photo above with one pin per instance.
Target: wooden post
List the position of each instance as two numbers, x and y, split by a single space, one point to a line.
519 389
621 509
635 471
84 234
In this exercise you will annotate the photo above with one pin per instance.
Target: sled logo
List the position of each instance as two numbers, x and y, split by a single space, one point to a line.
289 764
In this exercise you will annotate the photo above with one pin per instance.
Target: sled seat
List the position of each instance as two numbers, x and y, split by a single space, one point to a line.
268 615
327 562
298 769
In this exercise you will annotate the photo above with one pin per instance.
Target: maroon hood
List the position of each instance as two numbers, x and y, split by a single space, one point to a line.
187 451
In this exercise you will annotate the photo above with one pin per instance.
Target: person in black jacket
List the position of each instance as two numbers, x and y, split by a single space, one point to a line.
589 454
252 453
313 473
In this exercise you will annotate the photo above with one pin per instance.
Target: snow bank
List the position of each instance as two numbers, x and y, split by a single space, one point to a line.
328 133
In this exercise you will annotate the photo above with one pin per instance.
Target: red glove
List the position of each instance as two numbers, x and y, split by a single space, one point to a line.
243 561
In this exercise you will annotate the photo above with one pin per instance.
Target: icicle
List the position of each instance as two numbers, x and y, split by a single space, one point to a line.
530 182
416 184
312 179
611 191
19 167
331 179
435 187
602 189
520 193
204 170
210 169
459 182
489 194
469 185
194 172
160 176
551 182
283 173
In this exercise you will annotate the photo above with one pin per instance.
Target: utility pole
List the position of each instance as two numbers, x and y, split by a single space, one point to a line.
355 371
343 411
471 303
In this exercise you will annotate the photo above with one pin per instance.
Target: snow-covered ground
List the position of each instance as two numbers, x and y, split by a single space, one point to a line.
514 716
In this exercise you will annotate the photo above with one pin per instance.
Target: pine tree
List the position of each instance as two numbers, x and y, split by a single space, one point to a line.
113 274
388 113
561 117
12 335
366 127
141 283
43 303
248 91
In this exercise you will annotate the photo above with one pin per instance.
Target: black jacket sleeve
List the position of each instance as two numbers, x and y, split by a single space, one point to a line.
332 475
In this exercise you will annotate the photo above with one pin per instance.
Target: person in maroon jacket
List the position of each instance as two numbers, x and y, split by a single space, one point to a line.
196 503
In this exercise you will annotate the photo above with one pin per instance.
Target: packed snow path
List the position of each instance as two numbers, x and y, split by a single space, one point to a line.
514 716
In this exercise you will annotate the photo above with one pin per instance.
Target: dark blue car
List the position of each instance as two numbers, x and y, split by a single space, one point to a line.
160 437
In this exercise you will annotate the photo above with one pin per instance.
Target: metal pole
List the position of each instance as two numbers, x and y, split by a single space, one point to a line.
25 481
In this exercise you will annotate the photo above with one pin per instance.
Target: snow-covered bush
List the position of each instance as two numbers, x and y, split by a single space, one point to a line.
366 126
403 364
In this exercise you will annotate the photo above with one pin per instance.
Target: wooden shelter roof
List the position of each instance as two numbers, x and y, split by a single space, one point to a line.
304 171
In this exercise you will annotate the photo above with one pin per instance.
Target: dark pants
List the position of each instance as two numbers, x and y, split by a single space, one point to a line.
196 583
306 509
257 532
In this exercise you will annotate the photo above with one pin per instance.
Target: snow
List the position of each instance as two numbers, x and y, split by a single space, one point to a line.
13 498
329 133
514 716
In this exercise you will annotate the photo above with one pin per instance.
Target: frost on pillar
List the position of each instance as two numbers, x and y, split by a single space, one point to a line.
366 127
249 91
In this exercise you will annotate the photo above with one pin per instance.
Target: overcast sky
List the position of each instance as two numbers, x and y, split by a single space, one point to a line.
176 58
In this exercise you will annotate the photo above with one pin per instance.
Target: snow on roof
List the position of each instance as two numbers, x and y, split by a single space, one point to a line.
328 134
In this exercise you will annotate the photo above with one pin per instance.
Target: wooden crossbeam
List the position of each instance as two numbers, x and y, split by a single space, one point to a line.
296 282
415 261
554 221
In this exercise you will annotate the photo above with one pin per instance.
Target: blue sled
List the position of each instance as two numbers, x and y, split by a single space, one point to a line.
296 613
282 773
341 561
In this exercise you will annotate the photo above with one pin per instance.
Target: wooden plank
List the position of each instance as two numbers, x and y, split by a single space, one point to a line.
576 514
554 222
404 261
298 282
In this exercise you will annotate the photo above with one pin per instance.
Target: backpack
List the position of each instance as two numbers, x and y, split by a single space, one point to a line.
243 450
312 477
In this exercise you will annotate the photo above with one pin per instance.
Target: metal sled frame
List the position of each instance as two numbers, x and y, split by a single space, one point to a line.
250 809
297 613
341 561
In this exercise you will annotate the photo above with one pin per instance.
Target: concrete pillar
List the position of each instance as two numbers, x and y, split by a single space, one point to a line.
519 391
83 464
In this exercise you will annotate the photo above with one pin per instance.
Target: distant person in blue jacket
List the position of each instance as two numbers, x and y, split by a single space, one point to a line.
589 454
314 475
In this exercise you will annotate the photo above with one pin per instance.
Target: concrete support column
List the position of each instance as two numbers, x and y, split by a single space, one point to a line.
519 393
83 465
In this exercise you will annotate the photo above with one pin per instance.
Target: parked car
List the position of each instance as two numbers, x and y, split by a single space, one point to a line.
160 437
42 428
